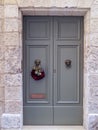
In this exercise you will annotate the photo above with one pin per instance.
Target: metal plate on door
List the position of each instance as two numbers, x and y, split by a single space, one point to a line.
38 96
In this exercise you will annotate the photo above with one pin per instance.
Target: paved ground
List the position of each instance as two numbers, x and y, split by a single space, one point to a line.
53 128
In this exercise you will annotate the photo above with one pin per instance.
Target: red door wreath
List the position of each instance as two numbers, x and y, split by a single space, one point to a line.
37 72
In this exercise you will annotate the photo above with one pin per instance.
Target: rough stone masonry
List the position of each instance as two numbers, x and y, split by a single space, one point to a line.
11 12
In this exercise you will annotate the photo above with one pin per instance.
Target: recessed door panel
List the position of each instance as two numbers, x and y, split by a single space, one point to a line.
57 98
67 28
34 25
68 75
38 91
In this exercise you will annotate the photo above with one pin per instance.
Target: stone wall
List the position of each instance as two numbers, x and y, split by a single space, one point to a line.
11 55
1 61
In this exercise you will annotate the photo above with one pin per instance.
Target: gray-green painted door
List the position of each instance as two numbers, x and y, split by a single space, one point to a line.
57 98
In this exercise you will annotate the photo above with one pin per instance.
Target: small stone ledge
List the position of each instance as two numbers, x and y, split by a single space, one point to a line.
10 121
11 129
51 11
92 121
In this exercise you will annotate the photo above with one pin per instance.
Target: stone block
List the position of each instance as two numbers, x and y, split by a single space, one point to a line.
10 25
1 94
86 25
13 80
1 39
87 42
94 25
25 3
65 3
93 60
11 38
10 2
93 98
13 93
1 11
92 66
12 66
11 11
1 66
93 80
2 80
1 25
12 52
86 28
20 25
20 42
58 3
14 106
93 93
85 84
48 3
94 11
2 50
92 121
93 39
1 107
84 3
95 2
11 121
12 129
87 15
20 14
1 2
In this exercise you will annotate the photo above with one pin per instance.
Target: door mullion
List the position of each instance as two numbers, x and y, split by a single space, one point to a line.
53 65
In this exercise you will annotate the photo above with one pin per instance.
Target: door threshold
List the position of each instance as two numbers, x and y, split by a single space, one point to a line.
53 128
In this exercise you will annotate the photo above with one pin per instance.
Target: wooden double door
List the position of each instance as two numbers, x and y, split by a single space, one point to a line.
57 98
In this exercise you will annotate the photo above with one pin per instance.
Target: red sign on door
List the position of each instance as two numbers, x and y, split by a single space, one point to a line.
38 96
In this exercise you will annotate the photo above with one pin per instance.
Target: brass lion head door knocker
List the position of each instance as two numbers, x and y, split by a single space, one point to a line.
68 63
37 72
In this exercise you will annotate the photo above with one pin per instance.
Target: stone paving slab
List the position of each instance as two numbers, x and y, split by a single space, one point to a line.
53 128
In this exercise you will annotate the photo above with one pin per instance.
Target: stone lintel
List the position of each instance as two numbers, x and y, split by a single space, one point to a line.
54 11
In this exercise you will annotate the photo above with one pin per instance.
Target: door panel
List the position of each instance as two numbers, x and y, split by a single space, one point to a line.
38 94
67 77
67 81
68 29
33 25
39 87
57 98
68 115
38 115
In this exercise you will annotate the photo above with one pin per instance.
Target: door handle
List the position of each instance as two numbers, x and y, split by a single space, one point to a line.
68 63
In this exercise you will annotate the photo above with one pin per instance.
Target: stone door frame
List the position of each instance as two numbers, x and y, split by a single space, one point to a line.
60 12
